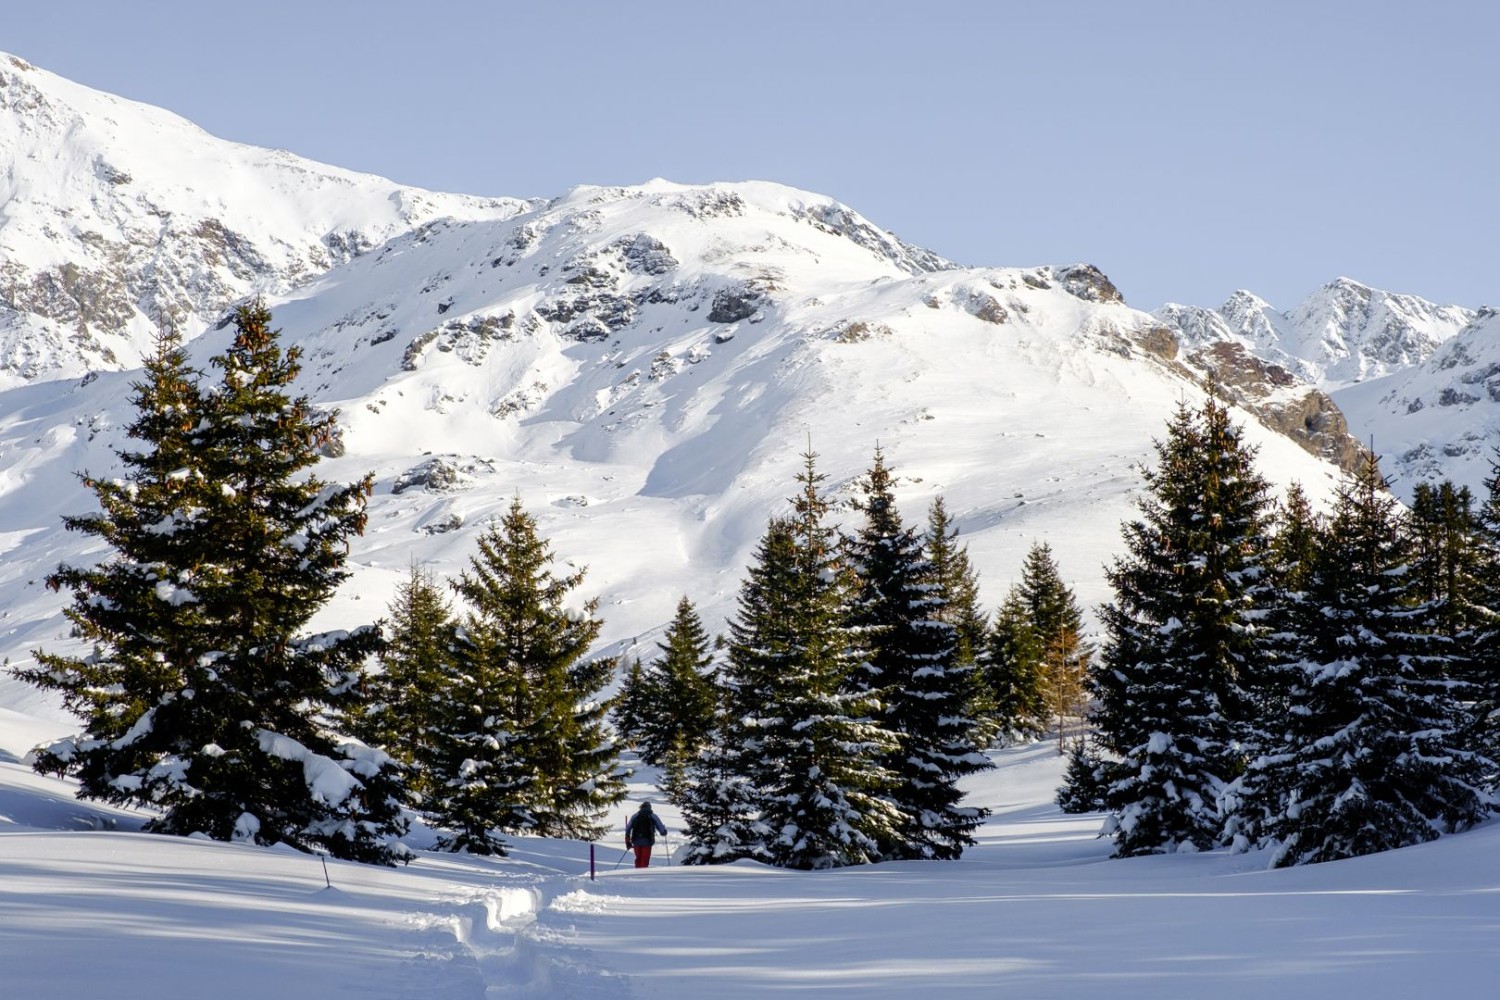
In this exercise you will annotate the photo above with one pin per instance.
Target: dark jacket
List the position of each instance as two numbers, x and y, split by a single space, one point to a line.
642 828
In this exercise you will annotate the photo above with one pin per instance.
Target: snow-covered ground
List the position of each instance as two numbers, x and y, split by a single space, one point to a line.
90 908
643 366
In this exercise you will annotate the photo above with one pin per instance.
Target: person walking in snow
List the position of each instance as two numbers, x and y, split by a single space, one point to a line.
640 833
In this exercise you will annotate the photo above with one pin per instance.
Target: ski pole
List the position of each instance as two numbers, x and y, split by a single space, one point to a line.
622 858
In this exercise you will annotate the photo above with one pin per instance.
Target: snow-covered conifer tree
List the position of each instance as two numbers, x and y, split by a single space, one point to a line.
957 583
804 746
1247 804
1183 626
1037 655
634 704
1484 639
912 669
525 744
1370 760
224 549
668 707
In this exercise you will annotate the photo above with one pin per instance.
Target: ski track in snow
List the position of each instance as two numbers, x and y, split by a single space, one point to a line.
1034 909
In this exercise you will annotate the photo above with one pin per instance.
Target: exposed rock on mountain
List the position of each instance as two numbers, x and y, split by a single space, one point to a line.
1343 333
1440 419
1281 401
119 217
641 365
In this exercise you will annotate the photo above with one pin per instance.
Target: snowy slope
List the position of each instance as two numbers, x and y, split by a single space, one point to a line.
1343 333
1441 419
90 909
116 216
644 366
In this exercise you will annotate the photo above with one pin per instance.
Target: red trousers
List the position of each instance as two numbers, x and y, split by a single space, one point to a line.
642 855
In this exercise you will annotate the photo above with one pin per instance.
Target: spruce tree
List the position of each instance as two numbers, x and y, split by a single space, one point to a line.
912 669
400 708
1038 657
524 747
667 708
679 716
1013 672
1369 762
719 790
1294 541
957 585
139 655
224 548
1453 571
1182 630
1296 538
1084 781
635 703
807 747
1447 557
1484 638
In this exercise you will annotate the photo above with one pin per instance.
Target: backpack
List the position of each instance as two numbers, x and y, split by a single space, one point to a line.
642 829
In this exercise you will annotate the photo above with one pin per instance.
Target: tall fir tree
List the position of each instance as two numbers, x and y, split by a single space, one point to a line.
1370 760
225 546
1013 673
957 583
1484 640
1453 570
1296 537
525 745
1037 652
1182 633
958 587
139 657
806 748
685 707
912 669
401 706
1084 781
635 704
1447 557
718 790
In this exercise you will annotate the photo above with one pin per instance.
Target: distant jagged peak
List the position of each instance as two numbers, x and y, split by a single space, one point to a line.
1242 302
1349 299
1344 332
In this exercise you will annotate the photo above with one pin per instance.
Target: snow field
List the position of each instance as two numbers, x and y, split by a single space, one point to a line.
1035 909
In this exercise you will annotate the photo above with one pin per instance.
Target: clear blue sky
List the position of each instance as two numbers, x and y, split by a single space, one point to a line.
1187 149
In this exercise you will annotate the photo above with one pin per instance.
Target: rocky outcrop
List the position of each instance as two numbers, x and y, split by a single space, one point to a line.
1281 401
1087 282
1343 333
94 259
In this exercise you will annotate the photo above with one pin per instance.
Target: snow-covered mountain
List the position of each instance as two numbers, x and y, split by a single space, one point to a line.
116 217
1343 333
1440 419
643 366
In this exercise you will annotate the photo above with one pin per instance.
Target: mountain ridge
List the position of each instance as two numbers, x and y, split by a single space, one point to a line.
642 365
120 217
1342 333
